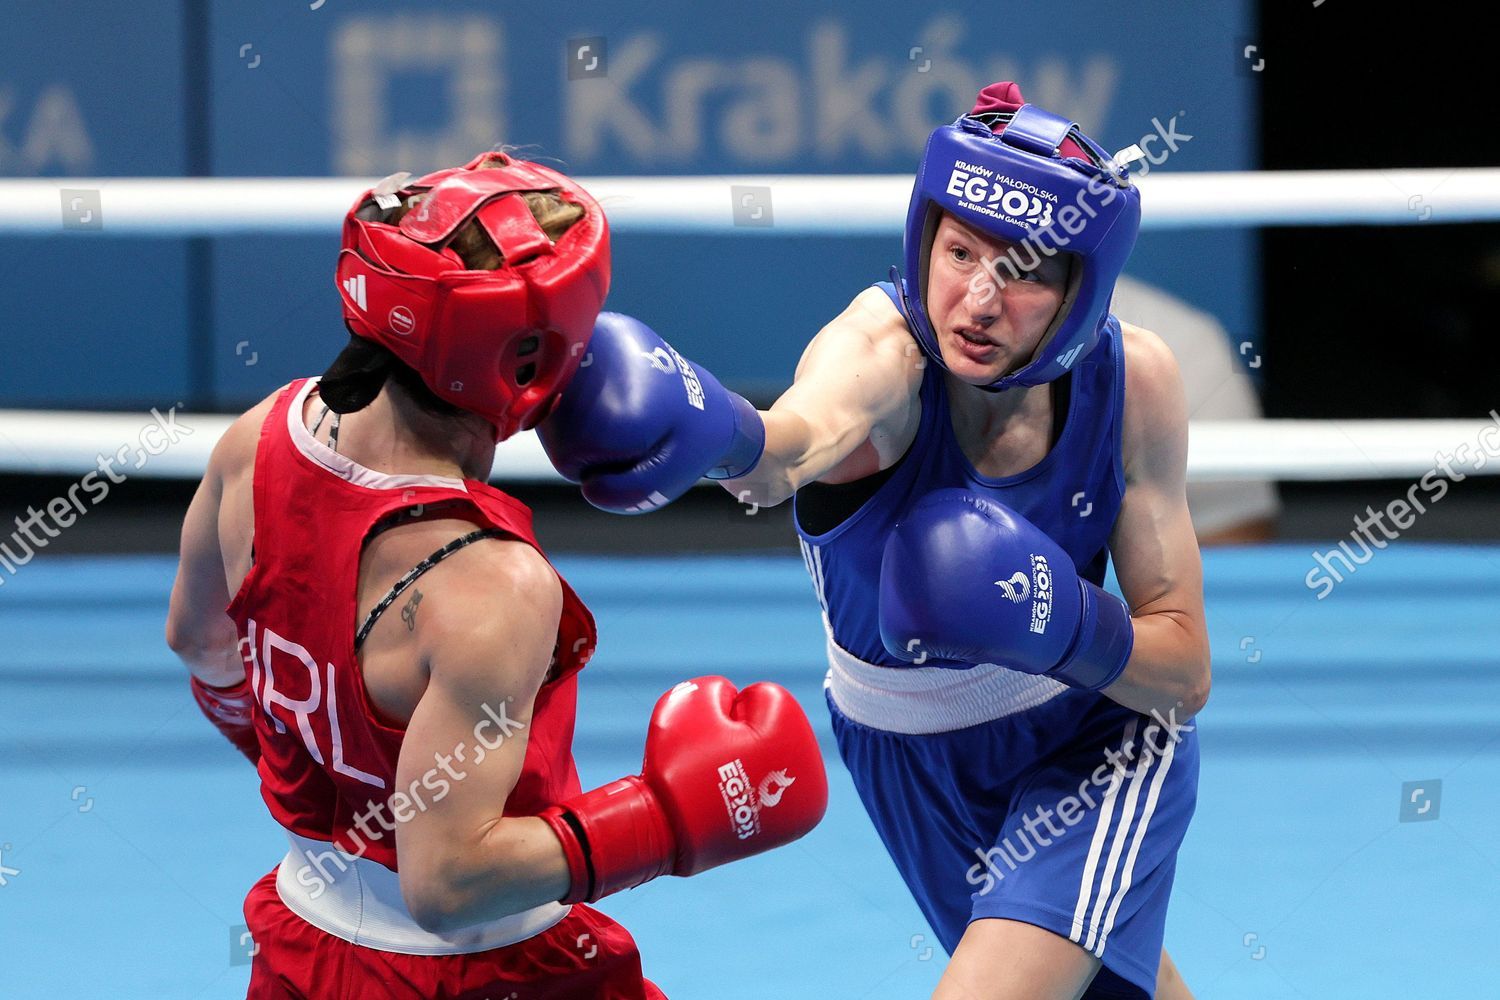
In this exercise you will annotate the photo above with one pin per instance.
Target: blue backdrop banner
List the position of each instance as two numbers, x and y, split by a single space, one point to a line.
316 87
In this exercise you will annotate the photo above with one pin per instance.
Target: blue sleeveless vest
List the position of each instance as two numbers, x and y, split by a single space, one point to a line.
1073 494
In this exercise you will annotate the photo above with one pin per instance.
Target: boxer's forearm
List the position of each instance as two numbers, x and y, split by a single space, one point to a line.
779 473
1168 670
212 655
515 864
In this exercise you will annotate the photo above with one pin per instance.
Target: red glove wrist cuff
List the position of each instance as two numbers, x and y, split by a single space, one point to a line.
615 838
580 873
231 710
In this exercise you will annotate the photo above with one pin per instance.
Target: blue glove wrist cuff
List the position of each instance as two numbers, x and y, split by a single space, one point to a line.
1106 636
749 441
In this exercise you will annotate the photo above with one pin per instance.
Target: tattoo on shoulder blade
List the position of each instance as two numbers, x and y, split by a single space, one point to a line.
409 612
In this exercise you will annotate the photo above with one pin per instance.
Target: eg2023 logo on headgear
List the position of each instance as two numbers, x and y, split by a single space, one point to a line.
980 189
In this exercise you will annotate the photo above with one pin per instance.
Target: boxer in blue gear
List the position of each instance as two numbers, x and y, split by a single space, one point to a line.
969 447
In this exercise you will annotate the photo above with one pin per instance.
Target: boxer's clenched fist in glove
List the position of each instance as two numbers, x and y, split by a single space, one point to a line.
727 774
640 424
964 579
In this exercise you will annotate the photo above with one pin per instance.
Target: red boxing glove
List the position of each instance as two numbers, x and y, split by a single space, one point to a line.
727 774
230 710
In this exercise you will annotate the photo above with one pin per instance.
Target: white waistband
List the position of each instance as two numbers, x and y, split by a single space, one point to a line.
915 700
359 900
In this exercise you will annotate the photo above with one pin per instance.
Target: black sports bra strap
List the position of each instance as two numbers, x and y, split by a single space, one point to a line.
415 572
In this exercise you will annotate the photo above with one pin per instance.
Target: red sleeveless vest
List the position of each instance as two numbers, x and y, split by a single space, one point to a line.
328 761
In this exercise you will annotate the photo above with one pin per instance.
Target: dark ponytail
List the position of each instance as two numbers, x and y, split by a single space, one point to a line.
359 373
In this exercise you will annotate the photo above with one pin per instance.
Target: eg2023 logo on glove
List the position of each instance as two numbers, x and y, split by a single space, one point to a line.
745 801
1039 588
662 360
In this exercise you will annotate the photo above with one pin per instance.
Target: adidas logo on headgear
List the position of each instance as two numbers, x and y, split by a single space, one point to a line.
355 286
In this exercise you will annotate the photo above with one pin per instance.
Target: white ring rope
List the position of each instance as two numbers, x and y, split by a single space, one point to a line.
70 444
848 204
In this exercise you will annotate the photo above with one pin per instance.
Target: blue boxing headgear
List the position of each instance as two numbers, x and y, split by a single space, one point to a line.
1003 174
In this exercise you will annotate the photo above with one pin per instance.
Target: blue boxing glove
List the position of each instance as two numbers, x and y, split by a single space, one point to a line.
966 579
640 424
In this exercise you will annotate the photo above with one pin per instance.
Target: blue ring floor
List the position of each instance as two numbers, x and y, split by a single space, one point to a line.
130 830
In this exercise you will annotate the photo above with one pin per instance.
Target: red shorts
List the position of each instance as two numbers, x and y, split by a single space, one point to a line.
584 955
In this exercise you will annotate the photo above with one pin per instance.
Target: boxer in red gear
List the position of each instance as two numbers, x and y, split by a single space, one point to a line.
402 659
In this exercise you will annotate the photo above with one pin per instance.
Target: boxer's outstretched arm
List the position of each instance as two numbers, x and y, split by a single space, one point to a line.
855 389
1153 544
486 632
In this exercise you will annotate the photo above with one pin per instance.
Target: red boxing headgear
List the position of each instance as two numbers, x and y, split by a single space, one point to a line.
498 343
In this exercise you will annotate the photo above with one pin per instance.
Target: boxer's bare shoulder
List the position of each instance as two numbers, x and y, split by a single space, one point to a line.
868 340
230 473
853 406
1155 409
236 449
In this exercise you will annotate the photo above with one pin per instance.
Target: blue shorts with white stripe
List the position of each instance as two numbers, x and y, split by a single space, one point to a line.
1067 815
